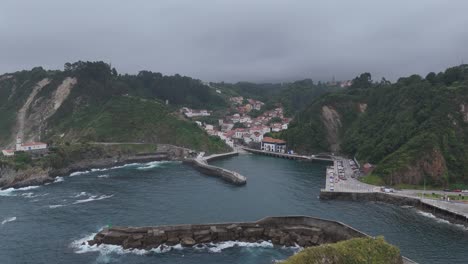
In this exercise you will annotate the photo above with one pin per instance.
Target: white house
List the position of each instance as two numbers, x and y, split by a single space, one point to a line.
8 152
273 145
257 137
195 113
240 132
28 146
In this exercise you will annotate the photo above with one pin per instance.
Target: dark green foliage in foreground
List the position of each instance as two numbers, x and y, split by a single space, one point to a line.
353 251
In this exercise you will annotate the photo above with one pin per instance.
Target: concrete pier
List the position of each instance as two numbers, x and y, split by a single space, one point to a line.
439 209
290 156
201 164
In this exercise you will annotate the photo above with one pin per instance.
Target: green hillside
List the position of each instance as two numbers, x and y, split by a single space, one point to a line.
90 101
133 119
413 130
353 251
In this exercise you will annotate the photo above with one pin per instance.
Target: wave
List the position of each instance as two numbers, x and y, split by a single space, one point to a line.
439 220
103 169
9 219
218 247
81 246
93 198
10 191
52 206
31 195
152 165
103 176
79 195
59 179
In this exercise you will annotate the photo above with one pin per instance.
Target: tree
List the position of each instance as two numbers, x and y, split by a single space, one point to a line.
362 81
431 77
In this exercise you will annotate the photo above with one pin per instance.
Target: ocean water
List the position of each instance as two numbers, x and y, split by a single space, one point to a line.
48 224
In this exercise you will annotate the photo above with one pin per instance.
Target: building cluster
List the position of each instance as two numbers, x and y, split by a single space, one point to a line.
240 128
188 112
27 146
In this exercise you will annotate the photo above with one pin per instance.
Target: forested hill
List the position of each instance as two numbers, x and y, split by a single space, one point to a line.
293 96
413 130
90 101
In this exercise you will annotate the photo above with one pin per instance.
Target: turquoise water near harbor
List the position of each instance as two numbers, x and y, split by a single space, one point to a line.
47 224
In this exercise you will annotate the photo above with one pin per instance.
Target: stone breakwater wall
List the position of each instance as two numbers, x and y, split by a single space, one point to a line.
285 231
227 175
443 213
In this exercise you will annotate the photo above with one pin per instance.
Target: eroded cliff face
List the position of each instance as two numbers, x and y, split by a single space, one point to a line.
44 107
431 165
31 119
332 121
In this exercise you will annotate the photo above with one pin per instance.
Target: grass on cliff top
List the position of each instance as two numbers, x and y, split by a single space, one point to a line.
373 179
129 119
353 251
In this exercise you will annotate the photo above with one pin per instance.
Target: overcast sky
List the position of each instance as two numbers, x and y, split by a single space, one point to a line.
239 39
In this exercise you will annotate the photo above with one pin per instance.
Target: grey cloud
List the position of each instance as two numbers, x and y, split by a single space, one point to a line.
238 40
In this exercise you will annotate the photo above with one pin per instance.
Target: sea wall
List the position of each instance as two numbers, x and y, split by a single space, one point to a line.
443 213
287 231
226 175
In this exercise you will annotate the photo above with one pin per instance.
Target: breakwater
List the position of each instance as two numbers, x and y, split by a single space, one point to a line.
281 231
439 211
201 165
286 231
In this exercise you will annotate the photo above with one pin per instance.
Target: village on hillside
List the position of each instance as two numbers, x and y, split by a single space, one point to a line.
239 127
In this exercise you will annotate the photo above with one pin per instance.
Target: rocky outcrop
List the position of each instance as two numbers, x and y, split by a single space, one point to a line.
11 178
331 120
285 231
431 165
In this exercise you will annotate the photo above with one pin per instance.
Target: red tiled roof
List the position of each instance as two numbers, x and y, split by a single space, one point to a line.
30 144
273 140
9 150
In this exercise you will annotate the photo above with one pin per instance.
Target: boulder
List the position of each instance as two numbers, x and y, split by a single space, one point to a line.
187 242
171 241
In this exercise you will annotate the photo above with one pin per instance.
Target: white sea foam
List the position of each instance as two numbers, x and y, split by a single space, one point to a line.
80 195
93 198
56 206
104 169
152 165
59 179
9 219
439 220
11 191
218 247
103 176
81 246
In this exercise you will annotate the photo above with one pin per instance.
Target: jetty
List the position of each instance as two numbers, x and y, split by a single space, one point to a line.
200 163
349 188
304 231
318 157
